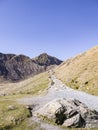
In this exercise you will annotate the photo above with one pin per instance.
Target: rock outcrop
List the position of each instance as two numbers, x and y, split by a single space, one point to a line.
69 113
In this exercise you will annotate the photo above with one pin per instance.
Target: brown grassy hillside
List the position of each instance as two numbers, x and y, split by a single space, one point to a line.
30 86
81 72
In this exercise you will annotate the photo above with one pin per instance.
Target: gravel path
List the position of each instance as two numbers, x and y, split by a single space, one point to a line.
59 90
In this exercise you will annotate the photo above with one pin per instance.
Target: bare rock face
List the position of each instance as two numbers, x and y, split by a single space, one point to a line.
3 59
70 113
18 67
46 60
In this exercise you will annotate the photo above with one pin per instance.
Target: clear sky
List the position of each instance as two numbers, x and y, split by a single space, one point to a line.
62 28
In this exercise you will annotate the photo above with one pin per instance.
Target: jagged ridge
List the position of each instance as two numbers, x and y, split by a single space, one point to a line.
16 67
46 60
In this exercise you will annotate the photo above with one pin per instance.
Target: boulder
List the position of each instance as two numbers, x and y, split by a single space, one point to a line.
69 113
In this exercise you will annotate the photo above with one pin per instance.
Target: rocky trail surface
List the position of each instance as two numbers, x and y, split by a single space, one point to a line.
57 90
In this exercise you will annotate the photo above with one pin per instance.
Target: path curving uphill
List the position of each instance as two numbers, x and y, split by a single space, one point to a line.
56 90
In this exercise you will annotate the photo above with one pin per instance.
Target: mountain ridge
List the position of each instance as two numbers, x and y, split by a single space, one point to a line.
45 60
17 67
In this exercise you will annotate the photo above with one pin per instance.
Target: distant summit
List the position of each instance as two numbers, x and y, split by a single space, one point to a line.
46 60
17 67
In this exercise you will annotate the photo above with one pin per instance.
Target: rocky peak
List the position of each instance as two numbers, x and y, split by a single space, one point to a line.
46 60
17 67
43 55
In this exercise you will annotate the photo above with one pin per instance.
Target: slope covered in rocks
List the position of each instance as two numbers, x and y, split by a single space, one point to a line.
81 72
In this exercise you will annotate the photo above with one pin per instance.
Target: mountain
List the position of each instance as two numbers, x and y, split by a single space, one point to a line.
17 67
81 72
46 60
44 97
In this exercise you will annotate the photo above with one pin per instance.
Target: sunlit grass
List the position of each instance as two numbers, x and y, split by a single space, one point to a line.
14 116
30 86
81 72
11 113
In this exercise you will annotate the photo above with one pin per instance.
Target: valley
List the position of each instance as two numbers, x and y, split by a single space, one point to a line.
48 64
32 100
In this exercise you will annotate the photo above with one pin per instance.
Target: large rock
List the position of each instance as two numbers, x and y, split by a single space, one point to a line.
69 113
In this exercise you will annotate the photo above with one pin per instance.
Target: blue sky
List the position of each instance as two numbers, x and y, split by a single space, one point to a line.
62 28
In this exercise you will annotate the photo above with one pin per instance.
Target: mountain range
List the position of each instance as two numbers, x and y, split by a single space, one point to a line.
17 67
79 72
43 92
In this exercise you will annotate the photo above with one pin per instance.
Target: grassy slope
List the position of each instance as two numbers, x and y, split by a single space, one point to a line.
31 86
17 119
11 117
81 72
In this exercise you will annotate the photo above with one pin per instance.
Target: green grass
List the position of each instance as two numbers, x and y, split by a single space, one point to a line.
11 117
17 118
26 125
37 85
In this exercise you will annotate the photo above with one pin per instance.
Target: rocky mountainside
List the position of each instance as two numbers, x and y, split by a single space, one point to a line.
46 60
16 67
81 72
